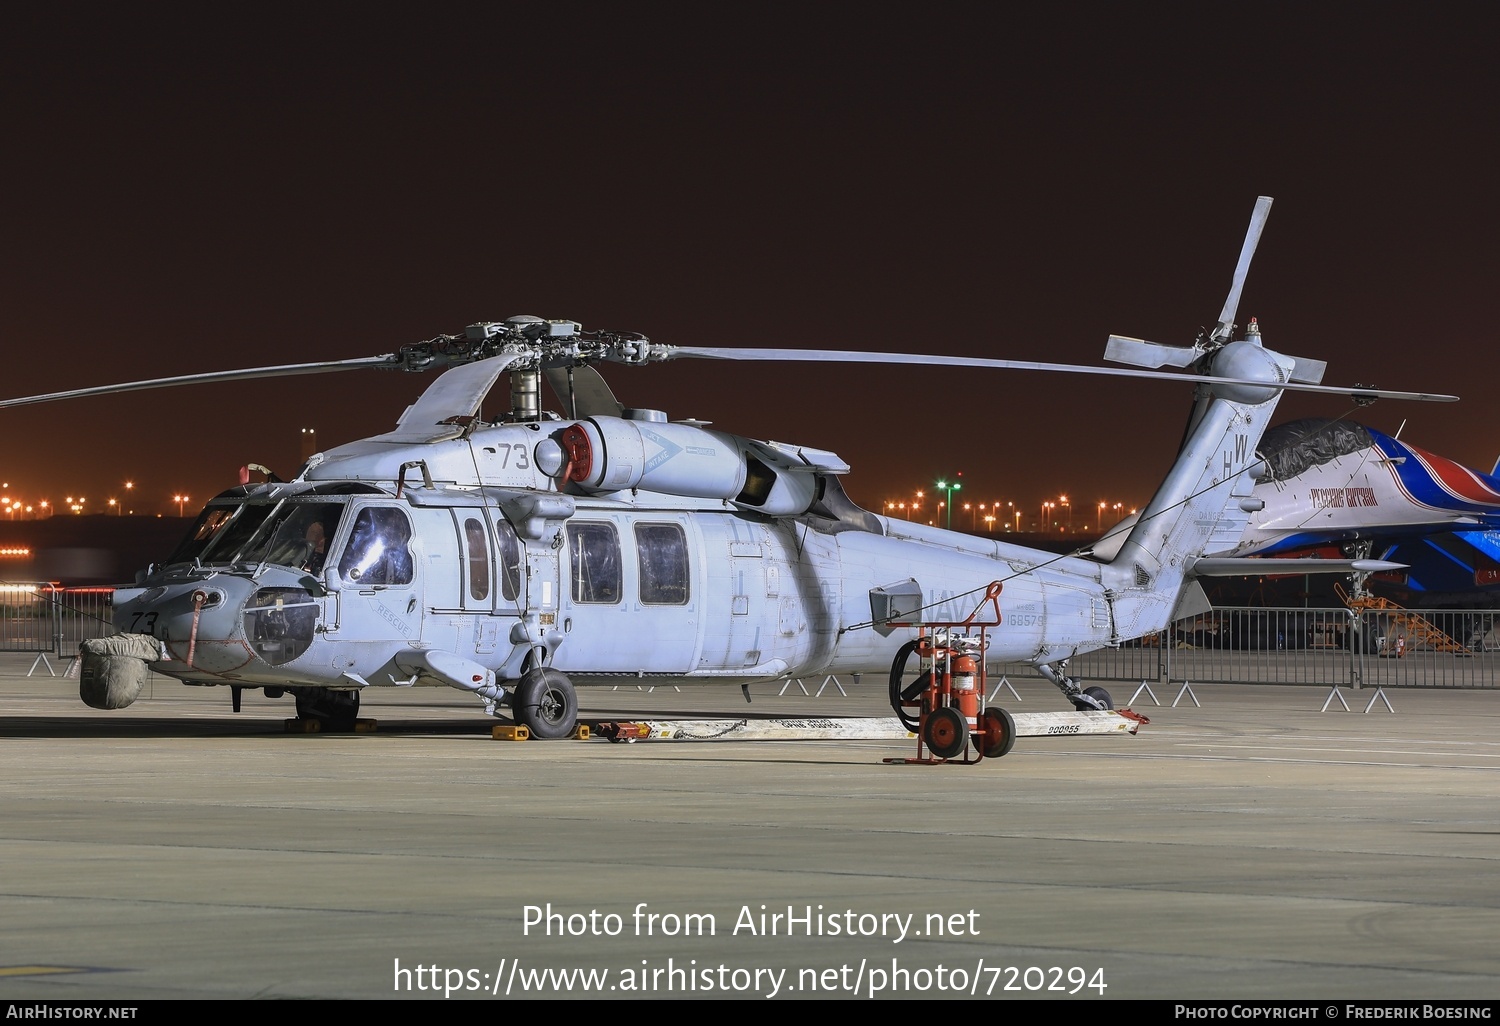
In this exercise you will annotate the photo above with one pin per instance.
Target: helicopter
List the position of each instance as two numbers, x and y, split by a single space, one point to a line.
517 559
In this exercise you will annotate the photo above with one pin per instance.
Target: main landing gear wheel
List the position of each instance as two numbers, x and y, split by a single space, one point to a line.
335 710
945 732
999 733
1098 695
546 704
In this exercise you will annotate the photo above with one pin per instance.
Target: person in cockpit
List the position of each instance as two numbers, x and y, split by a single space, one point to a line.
317 546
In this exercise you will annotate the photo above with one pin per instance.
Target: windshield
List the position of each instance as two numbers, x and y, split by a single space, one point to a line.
292 533
210 522
297 536
220 532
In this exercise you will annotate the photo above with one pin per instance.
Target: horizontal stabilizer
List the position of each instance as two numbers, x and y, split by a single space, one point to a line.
1252 566
1308 372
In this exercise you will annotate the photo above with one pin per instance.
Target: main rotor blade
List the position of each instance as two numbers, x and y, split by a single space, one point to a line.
443 410
1252 238
844 356
286 370
583 390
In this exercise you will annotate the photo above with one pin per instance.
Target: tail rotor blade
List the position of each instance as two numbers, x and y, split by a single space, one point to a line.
1252 238
1140 353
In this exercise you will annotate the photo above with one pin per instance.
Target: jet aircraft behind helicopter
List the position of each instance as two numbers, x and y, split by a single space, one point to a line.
516 559
1335 484
1335 481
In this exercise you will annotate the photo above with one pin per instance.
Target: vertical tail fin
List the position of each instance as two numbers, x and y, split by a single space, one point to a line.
1199 503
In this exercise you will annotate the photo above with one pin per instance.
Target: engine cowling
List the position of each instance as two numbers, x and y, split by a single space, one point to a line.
610 454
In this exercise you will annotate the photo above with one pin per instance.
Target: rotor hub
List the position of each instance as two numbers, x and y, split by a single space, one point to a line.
1247 362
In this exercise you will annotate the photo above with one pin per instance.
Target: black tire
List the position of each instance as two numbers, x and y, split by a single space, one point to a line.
546 704
1101 696
999 733
945 732
335 710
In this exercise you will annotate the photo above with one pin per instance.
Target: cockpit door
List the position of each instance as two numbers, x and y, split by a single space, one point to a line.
379 589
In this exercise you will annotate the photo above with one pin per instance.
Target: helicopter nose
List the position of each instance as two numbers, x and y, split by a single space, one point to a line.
221 624
194 619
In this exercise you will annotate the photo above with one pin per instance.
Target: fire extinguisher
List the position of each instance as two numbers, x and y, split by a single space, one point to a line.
1400 645
965 687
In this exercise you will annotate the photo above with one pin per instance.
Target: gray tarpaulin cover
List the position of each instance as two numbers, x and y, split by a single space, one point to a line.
114 669
1291 448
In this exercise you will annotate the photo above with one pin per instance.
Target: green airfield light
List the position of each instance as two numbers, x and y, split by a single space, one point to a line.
949 489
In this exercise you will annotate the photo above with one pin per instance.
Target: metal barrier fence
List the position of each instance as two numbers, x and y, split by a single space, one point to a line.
46 618
1389 647
1266 646
26 618
82 613
1135 661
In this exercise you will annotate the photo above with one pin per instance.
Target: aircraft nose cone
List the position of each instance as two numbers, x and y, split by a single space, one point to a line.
209 624
193 618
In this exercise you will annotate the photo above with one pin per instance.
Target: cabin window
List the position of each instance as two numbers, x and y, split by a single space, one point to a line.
379 550
594 550
661 550
479 560
508 549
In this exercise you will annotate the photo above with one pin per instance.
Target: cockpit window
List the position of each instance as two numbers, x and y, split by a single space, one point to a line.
220 532
240 530
210 522
290 533
379 549
297 536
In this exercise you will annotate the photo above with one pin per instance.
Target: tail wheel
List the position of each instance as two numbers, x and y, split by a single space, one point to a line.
546 704
999 733
945 732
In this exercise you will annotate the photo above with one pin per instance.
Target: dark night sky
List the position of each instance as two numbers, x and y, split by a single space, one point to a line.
189 192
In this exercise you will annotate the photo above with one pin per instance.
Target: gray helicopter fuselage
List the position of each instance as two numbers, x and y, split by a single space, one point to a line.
461 563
